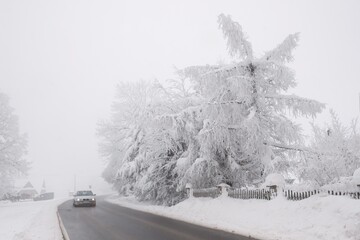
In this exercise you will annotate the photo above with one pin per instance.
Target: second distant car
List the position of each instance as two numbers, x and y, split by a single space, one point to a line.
84 198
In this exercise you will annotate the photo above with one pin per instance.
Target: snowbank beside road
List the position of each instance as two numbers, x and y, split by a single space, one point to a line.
318 217
29 220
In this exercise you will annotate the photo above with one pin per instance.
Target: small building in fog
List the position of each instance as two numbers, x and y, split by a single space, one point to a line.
28 191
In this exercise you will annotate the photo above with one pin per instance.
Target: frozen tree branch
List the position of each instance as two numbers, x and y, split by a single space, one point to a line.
289 147
283 52
237 44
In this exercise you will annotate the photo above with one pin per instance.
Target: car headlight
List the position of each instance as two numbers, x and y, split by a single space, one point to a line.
93 199
78 199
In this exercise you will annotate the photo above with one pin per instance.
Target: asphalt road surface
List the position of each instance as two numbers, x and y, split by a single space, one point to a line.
108 221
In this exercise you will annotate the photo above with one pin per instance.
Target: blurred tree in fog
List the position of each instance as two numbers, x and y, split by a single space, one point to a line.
12 146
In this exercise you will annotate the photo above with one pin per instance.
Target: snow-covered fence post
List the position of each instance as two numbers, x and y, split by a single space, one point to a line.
189 190
224 189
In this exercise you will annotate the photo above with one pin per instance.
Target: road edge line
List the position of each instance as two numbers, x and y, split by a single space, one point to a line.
62 227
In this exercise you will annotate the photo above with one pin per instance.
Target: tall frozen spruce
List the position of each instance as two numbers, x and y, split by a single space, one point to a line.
220 123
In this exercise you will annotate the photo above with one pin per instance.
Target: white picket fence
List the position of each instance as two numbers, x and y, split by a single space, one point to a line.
296 195
268 194
252 193
236 193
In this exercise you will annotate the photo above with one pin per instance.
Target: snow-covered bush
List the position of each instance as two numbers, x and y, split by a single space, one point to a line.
344 184
274 179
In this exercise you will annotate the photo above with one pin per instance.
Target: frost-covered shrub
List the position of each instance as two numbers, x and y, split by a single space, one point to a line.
335 153
344 184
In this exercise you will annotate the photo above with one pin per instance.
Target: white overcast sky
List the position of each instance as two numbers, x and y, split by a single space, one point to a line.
60 61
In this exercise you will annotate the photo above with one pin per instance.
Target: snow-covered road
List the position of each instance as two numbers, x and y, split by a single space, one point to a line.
29 220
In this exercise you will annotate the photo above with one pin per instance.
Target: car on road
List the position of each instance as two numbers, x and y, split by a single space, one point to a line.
84 198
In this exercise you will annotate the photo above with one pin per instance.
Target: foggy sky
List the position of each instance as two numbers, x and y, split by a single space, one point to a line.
60 62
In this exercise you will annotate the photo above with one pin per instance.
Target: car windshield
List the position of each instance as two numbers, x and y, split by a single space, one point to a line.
84 193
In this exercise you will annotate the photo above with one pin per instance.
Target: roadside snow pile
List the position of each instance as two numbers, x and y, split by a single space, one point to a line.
318 217
29 220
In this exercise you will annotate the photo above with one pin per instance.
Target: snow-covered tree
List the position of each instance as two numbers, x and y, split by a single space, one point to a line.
140 141
245 110
124 132
220 123
137 146
12 146
335 152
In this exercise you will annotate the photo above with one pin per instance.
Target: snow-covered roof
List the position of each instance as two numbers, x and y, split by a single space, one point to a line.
28 189
28 185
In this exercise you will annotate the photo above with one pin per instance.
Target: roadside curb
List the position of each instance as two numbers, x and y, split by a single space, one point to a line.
62 227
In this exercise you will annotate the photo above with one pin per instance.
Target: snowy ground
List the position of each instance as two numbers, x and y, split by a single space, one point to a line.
318 217
29 220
